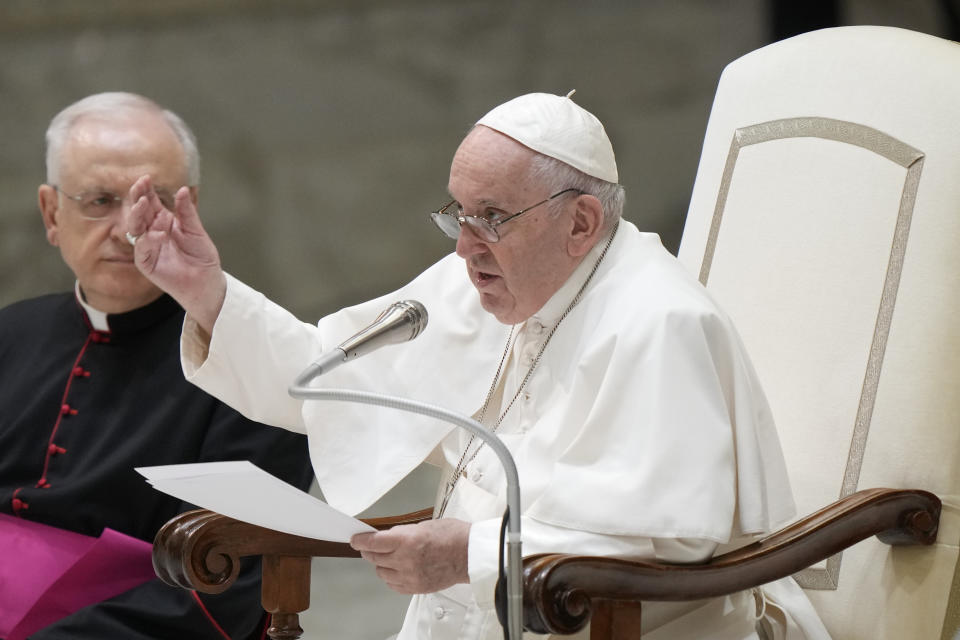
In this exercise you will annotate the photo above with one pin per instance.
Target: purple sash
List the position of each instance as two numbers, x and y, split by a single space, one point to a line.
48 573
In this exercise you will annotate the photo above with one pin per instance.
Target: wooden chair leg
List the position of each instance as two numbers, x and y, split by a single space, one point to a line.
614 620
285 593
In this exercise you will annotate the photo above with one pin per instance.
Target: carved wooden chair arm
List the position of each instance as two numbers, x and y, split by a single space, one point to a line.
201 549
562 592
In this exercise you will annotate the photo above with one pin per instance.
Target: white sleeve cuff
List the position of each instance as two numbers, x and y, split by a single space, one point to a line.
194 346
483 557
251 357
195 342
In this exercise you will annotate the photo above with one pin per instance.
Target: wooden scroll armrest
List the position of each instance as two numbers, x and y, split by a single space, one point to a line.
562 592
201 550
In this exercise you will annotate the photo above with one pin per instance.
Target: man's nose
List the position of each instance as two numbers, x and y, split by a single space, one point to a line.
119 221
469 243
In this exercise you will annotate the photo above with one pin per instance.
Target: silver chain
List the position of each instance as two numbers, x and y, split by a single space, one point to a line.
459 470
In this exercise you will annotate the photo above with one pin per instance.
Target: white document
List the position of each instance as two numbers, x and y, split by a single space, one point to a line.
244 491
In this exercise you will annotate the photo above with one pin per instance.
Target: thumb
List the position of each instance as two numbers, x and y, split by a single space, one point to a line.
377 541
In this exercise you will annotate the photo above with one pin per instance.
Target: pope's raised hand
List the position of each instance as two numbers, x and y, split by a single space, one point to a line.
173 251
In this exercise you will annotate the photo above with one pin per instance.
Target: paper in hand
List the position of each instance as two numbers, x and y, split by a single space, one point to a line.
245 492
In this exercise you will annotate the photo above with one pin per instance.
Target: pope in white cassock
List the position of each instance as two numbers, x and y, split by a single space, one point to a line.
624 394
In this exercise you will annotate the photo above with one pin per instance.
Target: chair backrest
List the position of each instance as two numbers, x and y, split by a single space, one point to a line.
825 218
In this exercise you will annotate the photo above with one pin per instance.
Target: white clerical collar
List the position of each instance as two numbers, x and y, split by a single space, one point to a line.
550 312
98 319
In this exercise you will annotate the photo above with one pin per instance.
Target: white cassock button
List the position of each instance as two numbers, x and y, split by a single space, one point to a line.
526 396
475 475
439 613
536 328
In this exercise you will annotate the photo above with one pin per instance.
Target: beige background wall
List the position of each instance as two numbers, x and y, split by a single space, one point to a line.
326 130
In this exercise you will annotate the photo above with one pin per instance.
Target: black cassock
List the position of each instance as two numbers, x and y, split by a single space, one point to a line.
79 409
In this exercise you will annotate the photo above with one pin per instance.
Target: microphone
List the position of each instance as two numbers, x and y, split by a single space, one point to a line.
400 322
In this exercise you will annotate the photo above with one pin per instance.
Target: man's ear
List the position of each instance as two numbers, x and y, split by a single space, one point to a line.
49 210
195 195
587 225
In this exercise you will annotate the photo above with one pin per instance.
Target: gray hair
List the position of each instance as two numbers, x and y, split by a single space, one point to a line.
108 104
558 175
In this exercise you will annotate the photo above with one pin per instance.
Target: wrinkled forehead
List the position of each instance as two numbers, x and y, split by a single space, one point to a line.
489 162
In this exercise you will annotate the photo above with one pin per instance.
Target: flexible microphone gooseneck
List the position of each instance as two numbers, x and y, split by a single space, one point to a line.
400 322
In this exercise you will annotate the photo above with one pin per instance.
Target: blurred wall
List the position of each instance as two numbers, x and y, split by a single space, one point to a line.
326 128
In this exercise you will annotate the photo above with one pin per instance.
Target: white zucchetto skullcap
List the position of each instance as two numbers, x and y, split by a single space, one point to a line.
557 127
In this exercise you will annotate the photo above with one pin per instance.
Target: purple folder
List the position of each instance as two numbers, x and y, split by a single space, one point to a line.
48 573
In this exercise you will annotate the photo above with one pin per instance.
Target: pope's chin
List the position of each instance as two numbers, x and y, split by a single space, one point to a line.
494 305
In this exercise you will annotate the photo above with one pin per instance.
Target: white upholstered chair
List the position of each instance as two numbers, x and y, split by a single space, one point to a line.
826 219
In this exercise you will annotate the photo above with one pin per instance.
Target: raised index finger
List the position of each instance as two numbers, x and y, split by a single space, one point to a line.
145 206
186 211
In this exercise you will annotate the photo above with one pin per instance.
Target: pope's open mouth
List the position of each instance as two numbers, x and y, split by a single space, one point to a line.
484 278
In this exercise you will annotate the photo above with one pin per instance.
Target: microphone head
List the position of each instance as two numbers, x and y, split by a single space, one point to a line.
415 313
400 322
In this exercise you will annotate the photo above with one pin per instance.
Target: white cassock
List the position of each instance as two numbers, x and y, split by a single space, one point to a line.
642 432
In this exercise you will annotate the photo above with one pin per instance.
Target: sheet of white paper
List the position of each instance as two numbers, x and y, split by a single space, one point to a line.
244 491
